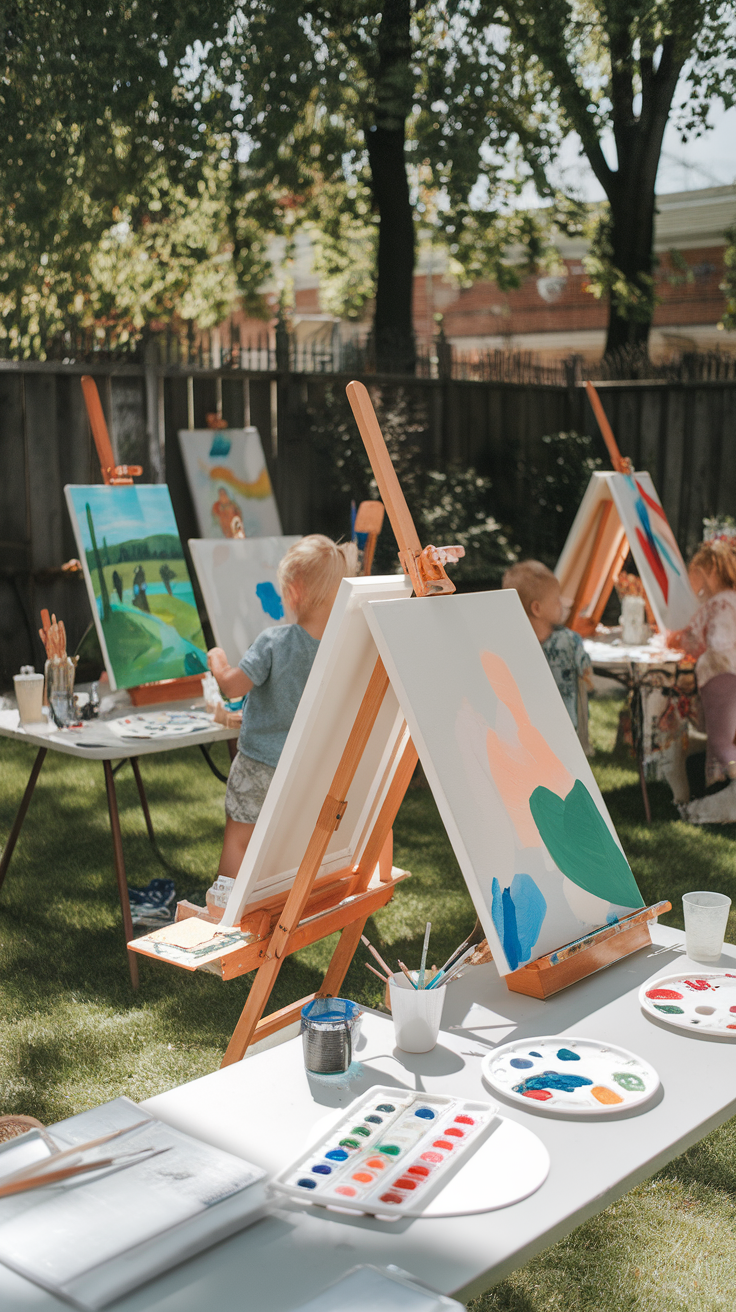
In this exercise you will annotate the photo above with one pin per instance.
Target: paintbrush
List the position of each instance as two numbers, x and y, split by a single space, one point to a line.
444 976
375 954
39 1181
377 973
423 962
475 936
74 1151
408 976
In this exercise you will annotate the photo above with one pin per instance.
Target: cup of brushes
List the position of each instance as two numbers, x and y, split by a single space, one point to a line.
417 998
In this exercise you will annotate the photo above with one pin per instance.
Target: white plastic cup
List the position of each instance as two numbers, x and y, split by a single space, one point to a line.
634 629
29 696
417 1014
706 917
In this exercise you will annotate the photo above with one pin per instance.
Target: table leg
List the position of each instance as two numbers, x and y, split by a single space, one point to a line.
144 799
28 794
117 844
637 737
232 747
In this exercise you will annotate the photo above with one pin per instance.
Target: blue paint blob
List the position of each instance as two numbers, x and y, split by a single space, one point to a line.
321 1169
612 918
270 600
535 1054
336 1154
425 1113
518 913
220 446
553 1080
520 1063
564 1054
374 1120
307 1184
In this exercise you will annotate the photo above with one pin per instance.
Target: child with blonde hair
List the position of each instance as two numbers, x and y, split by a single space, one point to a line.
539 594
273 672
711 637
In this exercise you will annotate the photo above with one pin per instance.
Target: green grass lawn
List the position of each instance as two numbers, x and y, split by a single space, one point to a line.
73 1034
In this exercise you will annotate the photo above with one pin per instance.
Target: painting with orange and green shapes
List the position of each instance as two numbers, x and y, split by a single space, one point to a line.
228 479
528 824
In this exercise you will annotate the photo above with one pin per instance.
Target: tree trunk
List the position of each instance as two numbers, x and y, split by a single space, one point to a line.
393 326
632 251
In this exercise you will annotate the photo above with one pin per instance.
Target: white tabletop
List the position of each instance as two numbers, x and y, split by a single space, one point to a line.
264 1107
613 653
72 742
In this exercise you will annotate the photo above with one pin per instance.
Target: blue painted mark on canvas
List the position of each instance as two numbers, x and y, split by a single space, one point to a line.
518 914
220 446
270 600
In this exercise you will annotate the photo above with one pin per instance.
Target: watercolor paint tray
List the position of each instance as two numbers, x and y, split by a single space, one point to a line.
389 1153
570 1075
703 1002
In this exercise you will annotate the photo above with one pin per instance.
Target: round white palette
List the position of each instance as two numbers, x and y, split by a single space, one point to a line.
699 1001
567 1074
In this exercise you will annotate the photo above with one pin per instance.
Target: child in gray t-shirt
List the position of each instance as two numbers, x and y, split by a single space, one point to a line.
273 672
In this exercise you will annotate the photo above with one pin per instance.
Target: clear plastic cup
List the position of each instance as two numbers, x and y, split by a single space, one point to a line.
417 1014
706 917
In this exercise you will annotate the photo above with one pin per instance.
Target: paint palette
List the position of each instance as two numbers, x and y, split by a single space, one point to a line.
161 724
389 1153
702 1001
570 1075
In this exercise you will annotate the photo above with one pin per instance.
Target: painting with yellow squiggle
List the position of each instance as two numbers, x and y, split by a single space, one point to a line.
526 819
229 482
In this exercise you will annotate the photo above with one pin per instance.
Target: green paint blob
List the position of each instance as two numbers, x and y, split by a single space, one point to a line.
670 1011
389 1148
632 1083
349 1143
582 846
360 1129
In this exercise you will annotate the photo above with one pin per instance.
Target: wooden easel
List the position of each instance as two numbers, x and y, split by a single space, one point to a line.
164 690
574 961
369 520
609 547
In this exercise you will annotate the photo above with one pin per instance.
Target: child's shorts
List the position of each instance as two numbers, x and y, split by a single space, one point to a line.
247 785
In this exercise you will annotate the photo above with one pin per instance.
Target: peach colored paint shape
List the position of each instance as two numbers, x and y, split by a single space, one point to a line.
519 768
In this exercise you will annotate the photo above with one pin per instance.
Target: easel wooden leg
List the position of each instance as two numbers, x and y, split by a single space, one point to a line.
117 845
18 824
341 958
329 818
144 799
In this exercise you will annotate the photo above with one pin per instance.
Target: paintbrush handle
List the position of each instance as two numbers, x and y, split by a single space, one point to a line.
423 962
408 976
78 1148
377 973
376 955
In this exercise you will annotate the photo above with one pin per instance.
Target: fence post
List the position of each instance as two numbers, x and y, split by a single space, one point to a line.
154 412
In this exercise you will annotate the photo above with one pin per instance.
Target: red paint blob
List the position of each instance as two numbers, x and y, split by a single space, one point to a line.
418 1170
457 1134
405 1183
346 1190
465 1120
731 1027
699 985
391 1198
662 995
443 1143
541 1095
732 1009
431 1157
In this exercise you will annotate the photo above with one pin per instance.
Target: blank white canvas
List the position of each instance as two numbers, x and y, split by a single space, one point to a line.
229 461
490 728
326 713
640 513
238 578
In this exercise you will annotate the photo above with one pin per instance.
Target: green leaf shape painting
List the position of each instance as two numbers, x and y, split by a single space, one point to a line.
580 843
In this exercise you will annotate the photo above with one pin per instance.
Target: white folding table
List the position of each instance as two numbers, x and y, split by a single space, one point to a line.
96 741
265 1106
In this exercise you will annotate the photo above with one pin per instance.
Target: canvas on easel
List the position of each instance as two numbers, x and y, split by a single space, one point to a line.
139 588
621 512
228 478
238 578
518 799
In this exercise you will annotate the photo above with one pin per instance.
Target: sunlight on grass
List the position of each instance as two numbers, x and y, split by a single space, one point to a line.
73 1034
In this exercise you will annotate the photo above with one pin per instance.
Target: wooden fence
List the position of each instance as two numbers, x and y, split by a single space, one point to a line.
684 434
